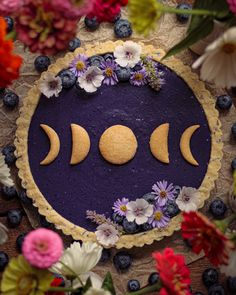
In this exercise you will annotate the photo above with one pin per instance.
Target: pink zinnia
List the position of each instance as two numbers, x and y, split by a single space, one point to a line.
42 248
232 5
8 7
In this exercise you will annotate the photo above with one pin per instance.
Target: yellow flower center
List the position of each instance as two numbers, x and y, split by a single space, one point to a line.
163 194
158 215
123 208
80 65
229 48
26 284
109 72
138 76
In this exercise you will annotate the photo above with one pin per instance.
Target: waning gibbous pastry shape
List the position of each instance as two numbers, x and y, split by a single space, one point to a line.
185 144
80 144
54 145
159 143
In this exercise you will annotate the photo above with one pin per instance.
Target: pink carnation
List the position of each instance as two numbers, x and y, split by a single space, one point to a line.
8 7
42 248
232 5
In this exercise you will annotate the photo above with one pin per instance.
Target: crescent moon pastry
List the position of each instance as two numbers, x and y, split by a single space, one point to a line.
185 144
80 144
54 145
159 143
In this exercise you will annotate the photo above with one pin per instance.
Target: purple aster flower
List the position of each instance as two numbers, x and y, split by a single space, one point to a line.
120 206
163 192
109 67
139 78
158 219
79 65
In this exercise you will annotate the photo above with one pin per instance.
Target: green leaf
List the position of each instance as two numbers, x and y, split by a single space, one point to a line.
204 29
87 285
108 284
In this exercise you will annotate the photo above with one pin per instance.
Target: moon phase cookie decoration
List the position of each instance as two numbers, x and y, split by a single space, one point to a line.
75 175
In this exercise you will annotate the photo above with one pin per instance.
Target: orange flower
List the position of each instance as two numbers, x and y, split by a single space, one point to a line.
9 63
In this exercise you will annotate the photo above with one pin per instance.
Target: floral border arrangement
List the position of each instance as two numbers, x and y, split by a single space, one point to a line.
28 109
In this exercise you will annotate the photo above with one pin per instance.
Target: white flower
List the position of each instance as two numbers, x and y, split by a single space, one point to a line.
93 291
96 280
139 211
128 54
91 80
80 259
3 234
219 60
107 234
5 176
230 269
188 199
50 85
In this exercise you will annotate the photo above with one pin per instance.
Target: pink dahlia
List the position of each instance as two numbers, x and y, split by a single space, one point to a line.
44 29
73 8
8 7
232 5
42 248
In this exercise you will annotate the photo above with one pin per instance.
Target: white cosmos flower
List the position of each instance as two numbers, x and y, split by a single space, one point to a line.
139 211
3 234
5 176
50 85
128 54
80 259
94 291
230 270
188 199
96 280
219 60
107 234
91 79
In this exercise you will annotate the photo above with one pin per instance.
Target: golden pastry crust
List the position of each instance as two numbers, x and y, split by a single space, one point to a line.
159 143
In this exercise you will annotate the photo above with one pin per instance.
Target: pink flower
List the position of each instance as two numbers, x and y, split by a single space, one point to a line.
42 248
8 7
232 5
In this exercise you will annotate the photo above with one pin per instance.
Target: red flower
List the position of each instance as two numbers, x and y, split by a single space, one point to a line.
204 235
174 274
9 63
56 283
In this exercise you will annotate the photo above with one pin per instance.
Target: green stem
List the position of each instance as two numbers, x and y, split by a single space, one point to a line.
146 290
61 289
224 224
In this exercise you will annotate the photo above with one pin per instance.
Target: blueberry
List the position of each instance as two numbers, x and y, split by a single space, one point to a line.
122 261
8 152
216 290
109 57
210 277
41 63
91 23
117 17
68 78
177 191
137 67
130 227
10 99
171 209
24 198
96 60
10 159
14 217
117 218
188 243
198 293
233 130
123 29
10 23
9 192
133 285
233 164
183 18
153 278
123 74
106 255
218 208
224 102
73 44
43 222
231 284
2 92
8 149
146 226
4 259
150 198
19 242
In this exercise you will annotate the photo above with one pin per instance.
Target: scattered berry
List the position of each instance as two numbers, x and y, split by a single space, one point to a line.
188 243
68 78
91 23
73 44
4 259
183 18
224 102
171 209
8 152
130 227
10 23
109 57
210 277
9 192
117 17
14 217
146 226
138 67
24 198
216 290
150 198
10 99
96 60
8 149
117 218
123 74
41 63
177 191
218 208
233 164
122 261
153 278
43 222
19 242
2 92
106 255
123 29
133 285
231 284
233 130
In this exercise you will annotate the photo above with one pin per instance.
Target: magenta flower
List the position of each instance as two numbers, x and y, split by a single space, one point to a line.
79 65
42 248
139 78
8 7
109 67
232 5
120 206
163 192
158 219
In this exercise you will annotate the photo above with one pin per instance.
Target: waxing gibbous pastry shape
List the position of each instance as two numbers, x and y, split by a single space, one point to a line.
54 145
159 143
185 144
80 144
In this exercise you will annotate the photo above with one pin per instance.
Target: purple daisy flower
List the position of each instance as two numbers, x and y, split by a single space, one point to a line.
163 192
139 78
109 67
79 65
158 219
120 206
